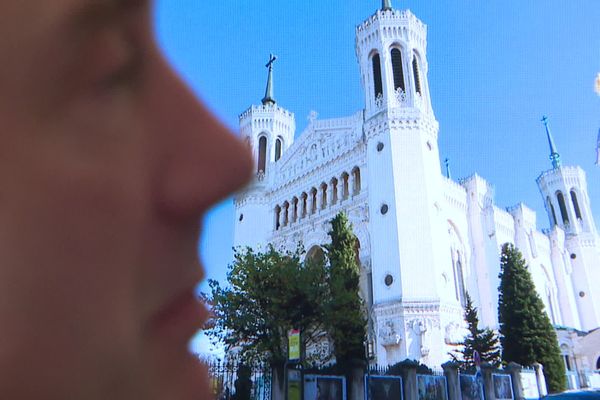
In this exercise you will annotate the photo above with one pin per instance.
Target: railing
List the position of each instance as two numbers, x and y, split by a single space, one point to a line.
227 378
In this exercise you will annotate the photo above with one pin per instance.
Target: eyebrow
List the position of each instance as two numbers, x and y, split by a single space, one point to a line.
90 15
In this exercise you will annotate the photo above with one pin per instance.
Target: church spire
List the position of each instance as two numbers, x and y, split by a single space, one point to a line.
386 5
269 99
554 156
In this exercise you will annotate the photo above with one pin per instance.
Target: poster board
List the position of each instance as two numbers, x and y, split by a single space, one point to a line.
380 387
471 387
432 387
324 387
502 387
529 384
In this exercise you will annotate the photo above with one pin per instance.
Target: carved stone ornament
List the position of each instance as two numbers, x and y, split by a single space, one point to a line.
389 334
454 334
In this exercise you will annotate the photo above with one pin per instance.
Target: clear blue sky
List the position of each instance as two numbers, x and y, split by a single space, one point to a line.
495 67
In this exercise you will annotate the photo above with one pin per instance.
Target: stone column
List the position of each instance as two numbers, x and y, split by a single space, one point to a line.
340 189
541 380
451 374
351 184
488 382
357 381
330 193
514 370
409 380
309 203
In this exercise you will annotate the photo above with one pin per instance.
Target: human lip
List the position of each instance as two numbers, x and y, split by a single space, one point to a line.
181 317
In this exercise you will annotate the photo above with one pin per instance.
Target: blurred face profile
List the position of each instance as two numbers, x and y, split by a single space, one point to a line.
107 165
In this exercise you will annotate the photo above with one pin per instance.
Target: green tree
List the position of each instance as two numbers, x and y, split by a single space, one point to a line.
267 294
345 317
527 336
484 341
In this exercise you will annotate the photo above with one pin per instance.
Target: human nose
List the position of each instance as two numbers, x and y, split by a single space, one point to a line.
202 161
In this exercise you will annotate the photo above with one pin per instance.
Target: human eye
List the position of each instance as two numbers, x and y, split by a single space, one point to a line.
111 61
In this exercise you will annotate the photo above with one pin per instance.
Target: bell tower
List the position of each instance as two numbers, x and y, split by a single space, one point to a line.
405 181
391 48
268 130
564 191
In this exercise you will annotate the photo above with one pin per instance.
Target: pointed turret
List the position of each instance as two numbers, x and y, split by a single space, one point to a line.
554 156
269 99
386 5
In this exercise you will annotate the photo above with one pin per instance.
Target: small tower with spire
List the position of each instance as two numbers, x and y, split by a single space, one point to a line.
267 128
565 194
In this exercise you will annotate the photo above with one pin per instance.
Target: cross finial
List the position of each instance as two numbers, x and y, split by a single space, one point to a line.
386 5
554 156
269 99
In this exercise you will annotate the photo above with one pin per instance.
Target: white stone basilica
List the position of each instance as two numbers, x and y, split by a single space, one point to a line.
425 239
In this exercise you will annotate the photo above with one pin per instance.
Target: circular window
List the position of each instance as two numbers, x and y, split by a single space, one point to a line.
241 217
380 146
573 256
581 294
384 209
388 280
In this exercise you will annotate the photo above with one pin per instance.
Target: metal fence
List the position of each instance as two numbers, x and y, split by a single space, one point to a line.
237 381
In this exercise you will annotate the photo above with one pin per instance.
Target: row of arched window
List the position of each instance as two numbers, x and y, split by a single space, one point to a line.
262 152
327 194
397 72
562 205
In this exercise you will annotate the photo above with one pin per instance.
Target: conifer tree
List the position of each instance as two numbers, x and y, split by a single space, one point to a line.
484 341
527 336
345 318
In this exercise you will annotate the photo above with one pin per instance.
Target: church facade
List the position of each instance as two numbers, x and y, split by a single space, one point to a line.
425 240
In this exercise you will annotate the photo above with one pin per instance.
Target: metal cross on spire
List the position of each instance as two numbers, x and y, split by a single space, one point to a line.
447 163
269 98
554 156
386 5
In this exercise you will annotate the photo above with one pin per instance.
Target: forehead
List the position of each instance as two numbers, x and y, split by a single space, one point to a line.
23 17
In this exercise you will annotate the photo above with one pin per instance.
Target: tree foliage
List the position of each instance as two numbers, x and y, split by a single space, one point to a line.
267 294
527 336
484 341
344 312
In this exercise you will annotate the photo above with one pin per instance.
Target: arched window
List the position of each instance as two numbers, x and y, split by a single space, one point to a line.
262 154
313 196
551 209
294 209
563 207
323 196
277 217
315 254
416 74
397 68
345 191
334 191
286 213
575 205
304 198
598 363
357 184
378 84
459 280
278 144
